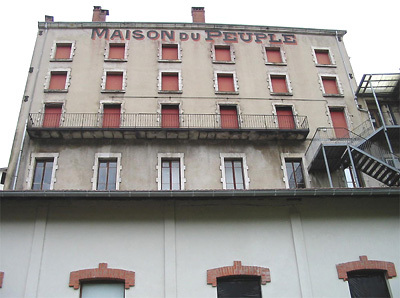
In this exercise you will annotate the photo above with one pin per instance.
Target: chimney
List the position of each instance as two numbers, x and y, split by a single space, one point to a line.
49 19
198 15
99 15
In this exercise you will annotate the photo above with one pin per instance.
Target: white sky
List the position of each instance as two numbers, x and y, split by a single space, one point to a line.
372 40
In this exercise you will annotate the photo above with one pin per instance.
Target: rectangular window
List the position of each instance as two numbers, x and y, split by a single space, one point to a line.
222 54
114 81
107 174
285 118
42 177
294 171
239 286
279 84
52 115
323 57
116 51
274 55
58 80
102 290
170 174
339 122
169 52
63 51
170 116
330 85
229 117
169 81
111 116
225 82
368 283
234 174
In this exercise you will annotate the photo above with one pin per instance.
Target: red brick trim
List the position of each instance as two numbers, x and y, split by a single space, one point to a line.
1 279
238 269
101 273
363 264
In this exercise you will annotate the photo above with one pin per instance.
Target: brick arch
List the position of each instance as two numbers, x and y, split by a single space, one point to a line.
365 264
238 269
101 273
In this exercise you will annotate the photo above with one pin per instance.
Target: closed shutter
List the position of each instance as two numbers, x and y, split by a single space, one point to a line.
323 57
63 51
223 54
52 116
170 82
114 81
225 83
274 55
285 118
330 85
169 52
170 116
339 123
229 117
116 51
57 81
279 84
111 116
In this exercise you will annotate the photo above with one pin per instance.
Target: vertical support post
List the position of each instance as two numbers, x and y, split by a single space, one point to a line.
353 168
327 167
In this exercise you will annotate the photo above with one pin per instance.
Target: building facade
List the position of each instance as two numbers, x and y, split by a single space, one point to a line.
199 160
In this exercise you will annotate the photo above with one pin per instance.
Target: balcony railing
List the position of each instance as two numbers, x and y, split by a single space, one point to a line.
167 122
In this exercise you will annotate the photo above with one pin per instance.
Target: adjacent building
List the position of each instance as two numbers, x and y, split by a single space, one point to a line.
200 160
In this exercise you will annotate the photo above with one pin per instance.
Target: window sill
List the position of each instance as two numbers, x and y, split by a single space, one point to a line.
55 90
326 65
223 62
170 91
276 64
333 95
115 60
112 91
169 61
227 92
282 93
61 60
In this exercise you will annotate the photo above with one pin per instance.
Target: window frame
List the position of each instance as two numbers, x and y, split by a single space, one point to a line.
282 52
160 51
107 52
54 51
180 84
226 73
214 55
338 85
32 167
287 80
101 282
95 168
290 156
171 156
325 49
51 72
104 81
245 168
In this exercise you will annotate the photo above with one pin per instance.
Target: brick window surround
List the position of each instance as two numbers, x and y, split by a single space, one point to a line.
103 273
238 269
365 264
1 279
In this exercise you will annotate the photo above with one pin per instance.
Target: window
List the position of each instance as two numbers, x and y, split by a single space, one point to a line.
62 51
170 81
226 83
285 118
323 57
58 80
170 52
274 56
114 81
294 173
234 171
368 283
111 115
102 290
222 54
330 86
349 177
170 171
52 115
339 123
106 171
239 286
116 51
170 116
229 117
279 84
42 171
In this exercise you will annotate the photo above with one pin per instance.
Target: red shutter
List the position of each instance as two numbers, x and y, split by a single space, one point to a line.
111 116
170 82
114 81
116 51
274 55
225 83
323 57
57 81
63 51
285 118
52 116
169 52
170 116
223 54
229 117
339 123
279 84
330 85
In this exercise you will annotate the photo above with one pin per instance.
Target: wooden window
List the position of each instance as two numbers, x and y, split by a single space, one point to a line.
330 85
63 51
58 80
170 116
294 171
234 177
52 115
169 81
285 118
239 286
43 174
368 283
169 52
323 57
102 290
225 82
116 51
107 174
223 53
274 55
111 116
339 123
229 117
279 84
170 174
114 80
